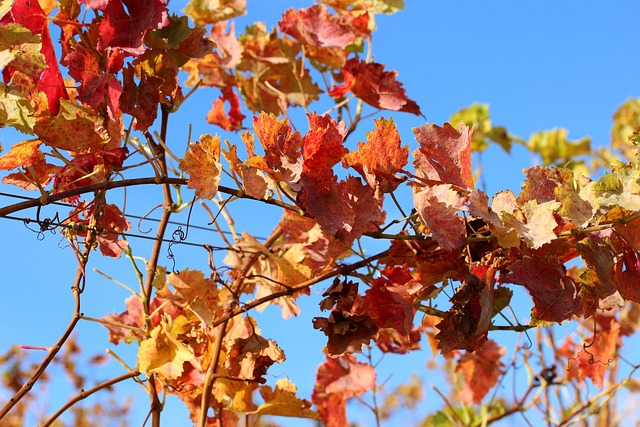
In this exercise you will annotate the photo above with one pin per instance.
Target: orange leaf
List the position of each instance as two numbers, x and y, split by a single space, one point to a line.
22 154
202 163
381 158
480 371
282 402
162 353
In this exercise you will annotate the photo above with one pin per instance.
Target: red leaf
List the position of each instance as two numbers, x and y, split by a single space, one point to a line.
466 325
315 27
381 158
98 89
217 115
336 381
389 304
122 30
140 100
30 14
99 164
555 295
444 154
346 209
378 88
628 280
439 207
481 371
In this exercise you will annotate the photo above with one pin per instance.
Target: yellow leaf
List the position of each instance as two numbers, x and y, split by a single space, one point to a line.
212 11
282 402
162 353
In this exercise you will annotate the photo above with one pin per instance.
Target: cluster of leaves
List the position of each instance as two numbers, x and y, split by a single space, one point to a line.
194 332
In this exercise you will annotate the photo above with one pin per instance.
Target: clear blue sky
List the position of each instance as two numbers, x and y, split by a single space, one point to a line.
539 65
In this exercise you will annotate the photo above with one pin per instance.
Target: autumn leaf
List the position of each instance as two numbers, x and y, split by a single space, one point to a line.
32 16
196 293
380 160
249 358
202 163
23 154
140 100
336 381
90 168
444 155
76 128
217 115
389 304
162 353
346 330
37 176
627 276
325 36
378 88
282 402
439 207
209 12
466 325
480 371
554 147
124 29
555 295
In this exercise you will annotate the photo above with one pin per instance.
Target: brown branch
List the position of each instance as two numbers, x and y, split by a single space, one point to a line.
86 393
107 185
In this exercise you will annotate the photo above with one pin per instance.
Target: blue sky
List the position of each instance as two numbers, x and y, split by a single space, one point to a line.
539 65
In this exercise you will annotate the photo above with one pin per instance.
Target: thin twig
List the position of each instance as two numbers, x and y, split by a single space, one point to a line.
86 393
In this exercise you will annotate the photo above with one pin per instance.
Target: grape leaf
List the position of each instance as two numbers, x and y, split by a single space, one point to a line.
378 88
627 276
347 331
554 147
381 158
316 27
466 324
23 154
30 14
389 303
336 381
76 128
99 165
38 175
555 295
481 371
202 163
124 29
272 76
439 207
217 115
194 292
162 353
283 402
249 358
324 36
282 147
444 154
209 12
